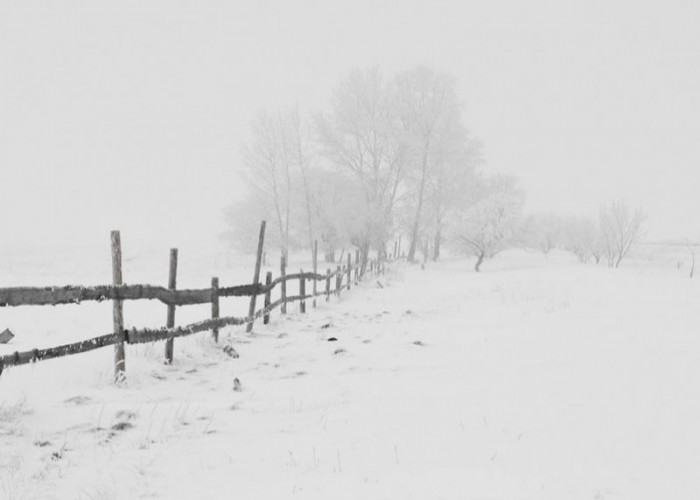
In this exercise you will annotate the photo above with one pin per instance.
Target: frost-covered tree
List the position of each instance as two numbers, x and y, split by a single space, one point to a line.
489 224
297 150
453 180
360 136
620 228
545 231
268 172
430 116
390 154
581 236
337 211
276 161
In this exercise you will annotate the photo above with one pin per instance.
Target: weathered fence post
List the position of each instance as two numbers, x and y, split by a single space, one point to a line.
118 309
268 295
302 292
328 284
357 266
349 269
172 284
215 306
283 284
315 271
256 277
338 280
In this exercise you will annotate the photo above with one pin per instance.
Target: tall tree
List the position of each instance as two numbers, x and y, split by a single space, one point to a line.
360 135
487 226
430 115
277 159
453 179
269 175
338 210
620 228
297 150
580 236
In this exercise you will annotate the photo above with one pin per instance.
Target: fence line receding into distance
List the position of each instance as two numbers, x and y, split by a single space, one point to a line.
172 297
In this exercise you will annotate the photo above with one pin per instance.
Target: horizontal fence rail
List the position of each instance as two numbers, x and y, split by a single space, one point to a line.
52 296
42 296
138 336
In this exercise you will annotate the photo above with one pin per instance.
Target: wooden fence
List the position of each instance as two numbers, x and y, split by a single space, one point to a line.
172 297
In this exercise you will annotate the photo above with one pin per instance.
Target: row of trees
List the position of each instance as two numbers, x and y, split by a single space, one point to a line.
393 157
606 238
389 156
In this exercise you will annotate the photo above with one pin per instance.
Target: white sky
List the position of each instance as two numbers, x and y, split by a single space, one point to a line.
130 114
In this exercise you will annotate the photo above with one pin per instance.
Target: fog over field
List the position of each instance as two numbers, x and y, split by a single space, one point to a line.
412 249
131 114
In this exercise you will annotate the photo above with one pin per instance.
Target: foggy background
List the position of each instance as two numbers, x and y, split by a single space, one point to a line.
130 115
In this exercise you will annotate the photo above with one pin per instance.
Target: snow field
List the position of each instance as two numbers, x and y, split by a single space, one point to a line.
537 379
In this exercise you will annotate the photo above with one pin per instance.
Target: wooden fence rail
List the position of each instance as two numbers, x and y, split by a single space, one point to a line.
52 296
137 336
38 296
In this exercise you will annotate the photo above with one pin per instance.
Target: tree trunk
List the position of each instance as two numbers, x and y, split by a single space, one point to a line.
414 240
419 208
308 207
364 255
619 259
692 254
477 266
436 245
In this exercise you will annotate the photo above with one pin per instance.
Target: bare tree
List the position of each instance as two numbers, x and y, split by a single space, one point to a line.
277 159
489 225
337 210
295 136
580 236
452 182
430 116
269 173
545 231
360 136
620 228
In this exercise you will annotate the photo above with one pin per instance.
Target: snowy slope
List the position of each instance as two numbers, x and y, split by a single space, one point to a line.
537 379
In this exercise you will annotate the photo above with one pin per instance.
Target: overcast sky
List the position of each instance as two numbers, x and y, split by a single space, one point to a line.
130 114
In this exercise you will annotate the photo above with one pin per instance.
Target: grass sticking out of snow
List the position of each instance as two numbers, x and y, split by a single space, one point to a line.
537 378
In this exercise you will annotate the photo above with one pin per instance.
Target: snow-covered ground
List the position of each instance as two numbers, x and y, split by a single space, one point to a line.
539 378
